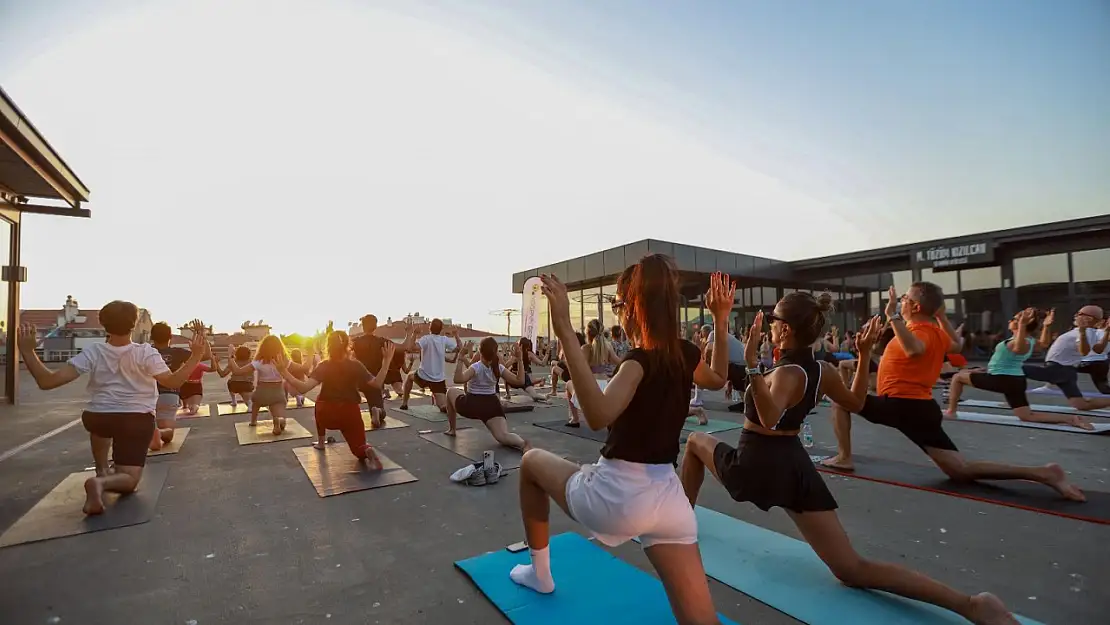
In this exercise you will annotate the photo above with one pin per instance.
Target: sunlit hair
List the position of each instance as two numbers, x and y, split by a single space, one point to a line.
242 353
119 317
160 332
269 349
649 292
338 342
487 349
599 345
436 326
805 315
295 356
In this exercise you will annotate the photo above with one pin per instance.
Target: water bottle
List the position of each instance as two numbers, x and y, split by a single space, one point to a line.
807 436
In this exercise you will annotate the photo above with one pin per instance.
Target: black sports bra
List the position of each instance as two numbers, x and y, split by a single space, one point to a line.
793 416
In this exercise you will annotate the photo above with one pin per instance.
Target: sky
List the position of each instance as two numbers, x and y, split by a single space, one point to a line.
300 162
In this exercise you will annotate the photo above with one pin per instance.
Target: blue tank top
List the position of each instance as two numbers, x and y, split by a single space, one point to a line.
1006 362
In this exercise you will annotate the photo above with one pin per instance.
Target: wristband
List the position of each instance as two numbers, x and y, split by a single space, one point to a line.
754 371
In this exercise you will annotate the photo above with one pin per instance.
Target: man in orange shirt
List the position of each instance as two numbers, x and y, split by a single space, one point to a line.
909 368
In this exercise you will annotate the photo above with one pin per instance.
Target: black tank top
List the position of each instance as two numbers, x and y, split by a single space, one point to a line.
648 430
793 416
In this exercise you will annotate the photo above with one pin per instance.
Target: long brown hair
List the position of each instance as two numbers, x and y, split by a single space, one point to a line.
649 293
269 349
338 342
487 349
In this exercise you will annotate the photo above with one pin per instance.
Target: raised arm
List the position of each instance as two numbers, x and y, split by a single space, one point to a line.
511 376
46 378
772 393
831 384
719 299
200 350
1045 340
1020 344
1100 347
912 345
463 372
302 386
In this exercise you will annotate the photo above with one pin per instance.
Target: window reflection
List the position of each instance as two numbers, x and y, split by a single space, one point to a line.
576 310
1042 281
946 280
1091 269
981 292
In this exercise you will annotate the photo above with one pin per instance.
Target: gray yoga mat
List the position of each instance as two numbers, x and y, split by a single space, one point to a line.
471 442
334 471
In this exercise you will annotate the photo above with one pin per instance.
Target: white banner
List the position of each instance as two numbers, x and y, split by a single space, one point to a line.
530 309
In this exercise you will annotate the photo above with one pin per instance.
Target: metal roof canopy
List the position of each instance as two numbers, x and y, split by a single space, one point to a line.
29 167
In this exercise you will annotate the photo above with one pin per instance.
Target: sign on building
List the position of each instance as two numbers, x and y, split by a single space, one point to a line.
954 256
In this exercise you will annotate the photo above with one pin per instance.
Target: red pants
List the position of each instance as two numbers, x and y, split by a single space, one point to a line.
347 418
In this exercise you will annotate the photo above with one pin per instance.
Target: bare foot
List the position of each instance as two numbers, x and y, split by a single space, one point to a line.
839 463
1081 422
525 447
450 432
281 424
987 609
372 459
156 440
277 427
950 414
94 497
252 424
1057 479
404 407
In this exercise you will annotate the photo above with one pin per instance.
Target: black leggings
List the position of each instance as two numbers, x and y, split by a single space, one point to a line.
1098 371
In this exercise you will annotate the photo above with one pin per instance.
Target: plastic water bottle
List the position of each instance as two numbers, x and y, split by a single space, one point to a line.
807 436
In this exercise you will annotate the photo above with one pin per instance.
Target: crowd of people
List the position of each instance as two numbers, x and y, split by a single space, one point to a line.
639 381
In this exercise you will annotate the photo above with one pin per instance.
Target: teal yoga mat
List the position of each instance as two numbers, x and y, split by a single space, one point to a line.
633 597
787 575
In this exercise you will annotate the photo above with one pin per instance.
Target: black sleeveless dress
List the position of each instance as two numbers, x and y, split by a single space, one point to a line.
777 470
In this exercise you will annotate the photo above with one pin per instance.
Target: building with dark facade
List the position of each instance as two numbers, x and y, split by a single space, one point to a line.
30 172
987 277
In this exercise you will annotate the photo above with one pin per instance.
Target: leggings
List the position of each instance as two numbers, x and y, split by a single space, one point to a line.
1098 371
345 417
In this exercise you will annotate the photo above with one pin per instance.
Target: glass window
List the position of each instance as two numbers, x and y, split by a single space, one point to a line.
770 297
981 294
946 280
5 259
1042 281
902 281
576 310
608 292
1091 271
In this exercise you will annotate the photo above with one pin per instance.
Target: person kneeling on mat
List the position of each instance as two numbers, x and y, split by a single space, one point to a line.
429 375
480 401
632 490
770 466
339 403
123 382
270 392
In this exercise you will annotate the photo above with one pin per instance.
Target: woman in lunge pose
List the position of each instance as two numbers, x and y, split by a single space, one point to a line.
480 401
910 367
270 391
1004 372
559 370
770 467
601 358
240 384
521 363
123 384
339 403
632 490
299 369
192 391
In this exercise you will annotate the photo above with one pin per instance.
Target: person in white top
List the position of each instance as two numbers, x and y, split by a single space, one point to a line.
1067 353
1097 364
123 384
269 388
433 352
479 401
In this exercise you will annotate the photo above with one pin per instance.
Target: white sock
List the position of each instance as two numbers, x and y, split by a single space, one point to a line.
537 575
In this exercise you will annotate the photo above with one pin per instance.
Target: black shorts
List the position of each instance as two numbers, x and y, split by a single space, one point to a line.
130 433
191 389
1012 387
239 386
480 407
738 376
373 395
566 371
918 419
772 471
435 387
1063 377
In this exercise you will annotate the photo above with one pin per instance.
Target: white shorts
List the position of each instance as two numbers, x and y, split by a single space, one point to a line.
168 405
600 384
618 501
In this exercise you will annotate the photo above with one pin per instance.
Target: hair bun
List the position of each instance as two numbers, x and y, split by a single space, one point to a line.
824 302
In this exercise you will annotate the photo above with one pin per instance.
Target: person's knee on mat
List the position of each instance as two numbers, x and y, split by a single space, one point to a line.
853 572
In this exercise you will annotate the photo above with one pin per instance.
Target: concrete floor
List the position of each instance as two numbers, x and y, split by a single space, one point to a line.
240 535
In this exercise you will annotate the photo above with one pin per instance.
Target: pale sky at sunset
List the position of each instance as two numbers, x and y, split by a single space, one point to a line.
305 161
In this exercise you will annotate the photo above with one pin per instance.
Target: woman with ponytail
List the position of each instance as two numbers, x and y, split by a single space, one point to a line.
632 490
339 403
601 357
480 401
770 467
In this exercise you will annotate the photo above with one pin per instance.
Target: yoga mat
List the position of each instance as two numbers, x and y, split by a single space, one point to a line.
173 446
334 471
1052 390
241 408
510 408
1049 408
772 568
427 412
591 586
204 410
582 431
59 513
390 423
997 419
714 425
264 432
1012 493
471 442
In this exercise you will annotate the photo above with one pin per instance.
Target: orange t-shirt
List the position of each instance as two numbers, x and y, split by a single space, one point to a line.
913 378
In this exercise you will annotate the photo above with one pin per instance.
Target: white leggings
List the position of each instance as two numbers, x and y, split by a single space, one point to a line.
618 500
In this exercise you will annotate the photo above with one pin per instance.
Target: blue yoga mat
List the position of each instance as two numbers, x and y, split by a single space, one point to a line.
787 575
581 569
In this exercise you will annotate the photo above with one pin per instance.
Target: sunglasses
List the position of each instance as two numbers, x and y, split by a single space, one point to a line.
771 317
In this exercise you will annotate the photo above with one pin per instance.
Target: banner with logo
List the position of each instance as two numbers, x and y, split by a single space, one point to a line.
530 309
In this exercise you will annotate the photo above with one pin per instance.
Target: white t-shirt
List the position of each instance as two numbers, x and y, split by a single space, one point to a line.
267 371
1065 349
433 349
121 379
1093 357
482 383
